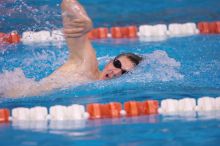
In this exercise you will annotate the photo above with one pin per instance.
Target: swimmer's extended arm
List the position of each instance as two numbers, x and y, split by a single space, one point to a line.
76 26
82 57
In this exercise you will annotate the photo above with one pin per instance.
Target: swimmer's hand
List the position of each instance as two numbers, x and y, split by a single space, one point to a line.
76 22
73 9
77 27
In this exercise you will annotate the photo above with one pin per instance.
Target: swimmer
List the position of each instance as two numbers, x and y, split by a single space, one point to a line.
81 51
82 64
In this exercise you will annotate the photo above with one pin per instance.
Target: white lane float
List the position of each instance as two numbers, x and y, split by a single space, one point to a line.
36 37
190 28
27 37
186 104
57 35
206 104
21 114
217 103
76 112
42 36
176 29
169 106
152 33
73 112
38 113
159 30
58 112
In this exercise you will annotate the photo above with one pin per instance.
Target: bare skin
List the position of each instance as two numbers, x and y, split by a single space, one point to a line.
82 64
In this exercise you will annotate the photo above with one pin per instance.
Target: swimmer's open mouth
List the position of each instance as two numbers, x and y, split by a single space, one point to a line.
107 76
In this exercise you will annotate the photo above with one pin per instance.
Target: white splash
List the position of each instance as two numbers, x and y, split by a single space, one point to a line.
158 66
14 83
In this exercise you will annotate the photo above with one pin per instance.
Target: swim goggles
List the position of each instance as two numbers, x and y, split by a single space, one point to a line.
117 64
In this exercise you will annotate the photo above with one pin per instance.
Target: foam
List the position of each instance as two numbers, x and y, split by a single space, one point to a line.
157 66
160 67
14 83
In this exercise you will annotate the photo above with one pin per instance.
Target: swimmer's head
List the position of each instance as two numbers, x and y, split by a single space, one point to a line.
121 64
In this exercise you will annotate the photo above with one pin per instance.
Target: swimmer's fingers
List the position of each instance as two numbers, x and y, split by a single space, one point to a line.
72 24
78 26
78 23
76 35
86 23
73 30
81 21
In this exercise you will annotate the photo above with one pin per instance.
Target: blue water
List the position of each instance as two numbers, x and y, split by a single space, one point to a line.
174 68
23 15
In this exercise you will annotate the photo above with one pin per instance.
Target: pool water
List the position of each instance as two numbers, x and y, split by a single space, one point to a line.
173 68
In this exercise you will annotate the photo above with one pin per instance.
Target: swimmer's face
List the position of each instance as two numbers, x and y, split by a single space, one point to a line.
117 67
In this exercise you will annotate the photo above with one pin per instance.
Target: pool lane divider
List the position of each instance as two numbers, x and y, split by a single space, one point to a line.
143 32
111 110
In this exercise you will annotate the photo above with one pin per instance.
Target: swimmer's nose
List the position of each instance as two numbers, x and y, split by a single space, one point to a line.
116 73
113 73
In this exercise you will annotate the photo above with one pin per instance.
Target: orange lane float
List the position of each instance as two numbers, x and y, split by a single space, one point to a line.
4 115
14 37
94 110
203 27
11 38
212 27
218 27
148 107
111 110
209 27
98 33
131 108
91 35
116 32
124 32
131 32
102 33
